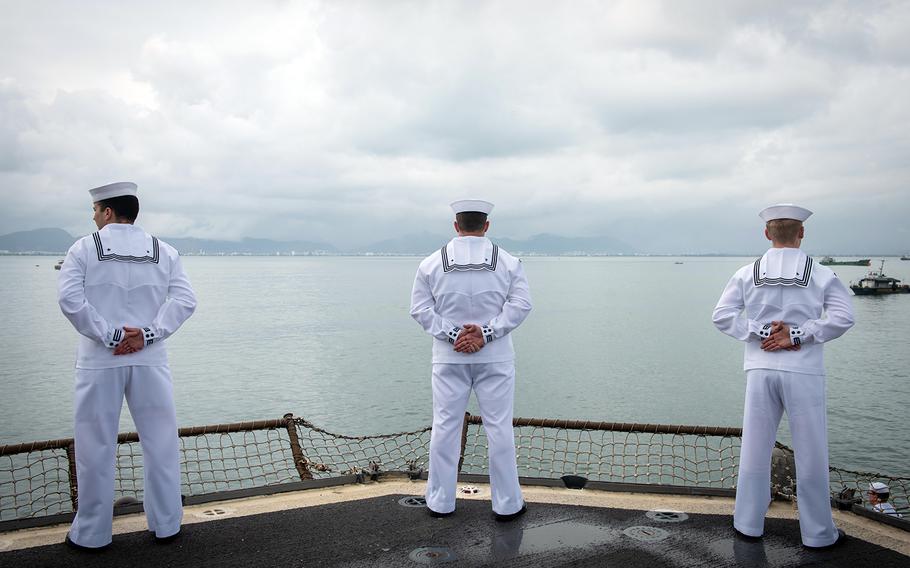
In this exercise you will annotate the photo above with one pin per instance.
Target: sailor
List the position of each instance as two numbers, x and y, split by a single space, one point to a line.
785 307
470 296
879 493
125 292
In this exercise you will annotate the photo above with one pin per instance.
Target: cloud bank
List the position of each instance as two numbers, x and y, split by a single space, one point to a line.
666 124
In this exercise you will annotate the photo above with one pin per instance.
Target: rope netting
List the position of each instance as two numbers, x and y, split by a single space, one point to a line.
38 479
616 456
847 486
212 463
859 481
330 455
34 484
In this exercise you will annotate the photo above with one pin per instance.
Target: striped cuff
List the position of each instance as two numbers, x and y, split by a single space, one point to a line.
114 338
453 334
149 336
487 333
765 331
796 335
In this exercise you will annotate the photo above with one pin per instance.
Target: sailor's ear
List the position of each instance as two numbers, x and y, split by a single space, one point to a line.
801 231
767 234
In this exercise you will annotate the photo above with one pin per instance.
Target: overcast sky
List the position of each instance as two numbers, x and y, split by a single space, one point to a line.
665 124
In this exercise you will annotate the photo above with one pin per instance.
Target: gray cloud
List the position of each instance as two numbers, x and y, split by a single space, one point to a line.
659 122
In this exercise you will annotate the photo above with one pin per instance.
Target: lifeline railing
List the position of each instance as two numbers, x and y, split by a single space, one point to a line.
38 479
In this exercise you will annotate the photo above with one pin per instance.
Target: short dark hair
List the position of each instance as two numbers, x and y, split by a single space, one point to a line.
784 230
471 221
124 207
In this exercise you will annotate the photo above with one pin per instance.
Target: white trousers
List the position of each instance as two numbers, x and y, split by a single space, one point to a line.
768 394
97 403
494 385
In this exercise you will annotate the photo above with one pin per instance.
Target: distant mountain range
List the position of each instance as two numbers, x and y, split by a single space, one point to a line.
38 240
58 241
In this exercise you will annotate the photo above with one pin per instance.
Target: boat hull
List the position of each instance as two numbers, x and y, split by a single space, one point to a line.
859 291
863 262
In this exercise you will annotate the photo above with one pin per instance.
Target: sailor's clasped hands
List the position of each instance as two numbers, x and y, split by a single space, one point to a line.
470 339
779 338
133 341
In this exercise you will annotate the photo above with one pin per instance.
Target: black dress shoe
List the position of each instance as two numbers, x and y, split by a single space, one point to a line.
513 516
167 539
746 537
436 515
81 548
841 537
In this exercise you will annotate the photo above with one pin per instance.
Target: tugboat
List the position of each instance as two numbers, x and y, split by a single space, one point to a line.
59 264
905 257
876 283
828 261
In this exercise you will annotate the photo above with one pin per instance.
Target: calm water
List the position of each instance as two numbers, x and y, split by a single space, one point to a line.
330 339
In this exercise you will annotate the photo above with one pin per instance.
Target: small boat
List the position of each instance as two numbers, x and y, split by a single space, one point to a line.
905 257
59 264
876 283
829 261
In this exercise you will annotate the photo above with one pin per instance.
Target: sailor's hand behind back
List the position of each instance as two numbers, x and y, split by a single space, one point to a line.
779 338
470 340
133 341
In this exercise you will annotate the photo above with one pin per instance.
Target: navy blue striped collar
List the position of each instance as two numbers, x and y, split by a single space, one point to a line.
449 265
104 253
801 278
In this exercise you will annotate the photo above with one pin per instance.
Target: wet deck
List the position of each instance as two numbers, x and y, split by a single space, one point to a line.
368 526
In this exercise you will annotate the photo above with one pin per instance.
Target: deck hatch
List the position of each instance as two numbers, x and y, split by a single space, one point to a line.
646 534
432 555
666 516
412 501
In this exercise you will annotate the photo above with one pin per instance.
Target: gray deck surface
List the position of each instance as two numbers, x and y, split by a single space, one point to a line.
380 532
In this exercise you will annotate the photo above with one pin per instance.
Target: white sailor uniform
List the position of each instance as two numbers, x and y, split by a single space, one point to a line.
785 285
886 509
471 280
122 276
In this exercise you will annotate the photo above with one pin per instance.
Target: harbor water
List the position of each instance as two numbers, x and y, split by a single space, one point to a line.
330 339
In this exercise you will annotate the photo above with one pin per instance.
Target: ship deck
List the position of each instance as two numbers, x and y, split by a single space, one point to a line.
367 525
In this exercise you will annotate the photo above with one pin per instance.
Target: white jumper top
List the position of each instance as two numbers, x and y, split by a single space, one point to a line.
471 280
122 276
887 509
785 285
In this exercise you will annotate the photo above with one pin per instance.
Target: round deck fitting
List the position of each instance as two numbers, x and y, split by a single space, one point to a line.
646 534
432 555
214 512
666 516
413 501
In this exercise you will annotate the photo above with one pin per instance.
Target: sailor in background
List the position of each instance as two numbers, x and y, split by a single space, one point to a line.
785 307
469 296
879 493
125 292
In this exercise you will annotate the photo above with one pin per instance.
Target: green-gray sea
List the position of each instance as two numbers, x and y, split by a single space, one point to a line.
330 339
